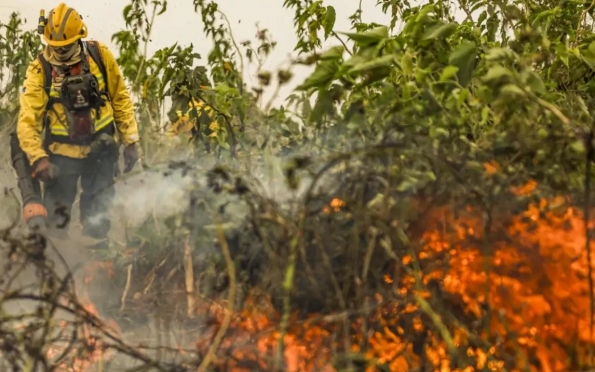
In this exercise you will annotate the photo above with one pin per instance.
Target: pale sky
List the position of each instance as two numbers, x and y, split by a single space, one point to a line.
180 23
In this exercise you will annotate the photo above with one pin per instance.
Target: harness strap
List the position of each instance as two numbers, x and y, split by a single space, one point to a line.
48 73
93 49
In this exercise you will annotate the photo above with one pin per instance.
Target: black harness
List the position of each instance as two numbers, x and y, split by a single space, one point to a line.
79 95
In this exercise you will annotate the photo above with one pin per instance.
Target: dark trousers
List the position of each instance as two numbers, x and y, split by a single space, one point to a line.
97 183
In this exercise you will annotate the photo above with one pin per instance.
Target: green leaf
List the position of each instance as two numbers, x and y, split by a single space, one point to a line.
578 146
409 183
562 53
377 201
222 142
474 165
163 8
375 75
533 80
448 72
542 133
329 21
485 114
439 31
423 13
462 97
306 108
323 105
463 57
324 74
582 105
437 132
407 63
370 37
497 74
384 61
498 54
588 56
550 13
512 91
335 52
353 61
482 17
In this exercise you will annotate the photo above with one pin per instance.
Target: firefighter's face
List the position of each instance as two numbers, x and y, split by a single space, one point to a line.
64 50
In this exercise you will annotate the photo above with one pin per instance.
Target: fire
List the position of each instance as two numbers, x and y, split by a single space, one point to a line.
533 284
334 206
528 294
255 336
88 351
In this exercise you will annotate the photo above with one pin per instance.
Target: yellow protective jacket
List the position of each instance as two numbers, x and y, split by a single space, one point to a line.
184 125
33 100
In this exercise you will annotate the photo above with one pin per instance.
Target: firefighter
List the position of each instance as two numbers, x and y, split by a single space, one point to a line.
194 122
75 94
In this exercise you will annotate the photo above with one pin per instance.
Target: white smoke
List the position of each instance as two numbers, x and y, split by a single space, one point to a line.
149 194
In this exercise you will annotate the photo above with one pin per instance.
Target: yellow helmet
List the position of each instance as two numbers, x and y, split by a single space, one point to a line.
64 26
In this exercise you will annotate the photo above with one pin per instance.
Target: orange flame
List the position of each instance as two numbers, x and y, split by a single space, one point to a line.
92 352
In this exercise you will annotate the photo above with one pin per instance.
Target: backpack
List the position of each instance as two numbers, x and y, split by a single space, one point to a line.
92 49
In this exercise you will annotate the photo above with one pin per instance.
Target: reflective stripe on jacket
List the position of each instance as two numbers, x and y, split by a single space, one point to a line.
57 128
33 102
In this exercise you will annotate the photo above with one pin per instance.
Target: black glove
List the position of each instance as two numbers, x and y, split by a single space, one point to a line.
130 157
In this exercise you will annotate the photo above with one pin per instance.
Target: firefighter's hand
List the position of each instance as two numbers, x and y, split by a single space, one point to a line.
43 170
130 157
